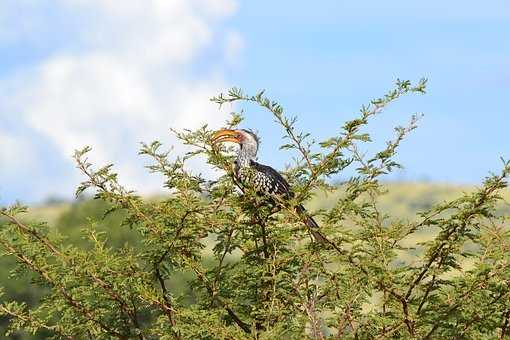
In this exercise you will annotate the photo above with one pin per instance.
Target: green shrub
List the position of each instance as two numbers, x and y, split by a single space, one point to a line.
251 267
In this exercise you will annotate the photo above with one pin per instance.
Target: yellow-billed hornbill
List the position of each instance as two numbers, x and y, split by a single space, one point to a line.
264 179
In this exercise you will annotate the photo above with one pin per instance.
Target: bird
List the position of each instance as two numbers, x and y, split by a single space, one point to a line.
262 178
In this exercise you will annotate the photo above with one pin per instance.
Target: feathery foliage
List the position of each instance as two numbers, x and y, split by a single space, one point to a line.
267 279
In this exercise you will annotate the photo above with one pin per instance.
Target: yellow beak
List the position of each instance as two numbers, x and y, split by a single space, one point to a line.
226 135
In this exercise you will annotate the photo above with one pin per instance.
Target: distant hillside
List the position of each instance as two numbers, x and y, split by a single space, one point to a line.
404 199
48 213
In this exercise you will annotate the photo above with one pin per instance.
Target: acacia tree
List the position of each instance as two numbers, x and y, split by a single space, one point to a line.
266 278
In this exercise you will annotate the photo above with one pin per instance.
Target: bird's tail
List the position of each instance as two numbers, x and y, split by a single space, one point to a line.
312 225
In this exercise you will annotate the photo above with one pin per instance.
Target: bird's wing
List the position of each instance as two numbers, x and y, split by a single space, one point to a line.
282 187
277 182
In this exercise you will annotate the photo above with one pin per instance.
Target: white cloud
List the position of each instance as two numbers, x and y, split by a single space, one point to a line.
127 78
234 47
15 154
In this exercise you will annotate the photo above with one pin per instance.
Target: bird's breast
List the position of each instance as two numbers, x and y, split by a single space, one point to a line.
257 180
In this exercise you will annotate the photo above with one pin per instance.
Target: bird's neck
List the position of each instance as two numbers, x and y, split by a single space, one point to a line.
244 157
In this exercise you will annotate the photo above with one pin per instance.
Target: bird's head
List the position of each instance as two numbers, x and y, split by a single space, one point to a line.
247 140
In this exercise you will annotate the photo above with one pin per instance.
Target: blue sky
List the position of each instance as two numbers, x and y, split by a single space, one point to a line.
70 70
324 61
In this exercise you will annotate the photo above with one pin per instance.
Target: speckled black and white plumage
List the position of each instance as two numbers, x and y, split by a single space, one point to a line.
264 179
